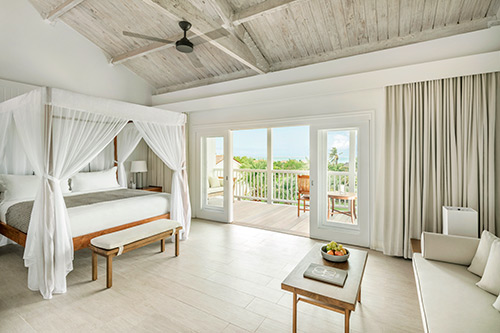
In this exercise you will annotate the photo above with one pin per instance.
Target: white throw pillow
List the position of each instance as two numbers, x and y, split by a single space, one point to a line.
496 305
65 186
17 187
483 250
93 181
213 181
491 276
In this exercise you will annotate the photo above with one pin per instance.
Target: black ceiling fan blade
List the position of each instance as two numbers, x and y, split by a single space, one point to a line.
194 60
212 35
151 38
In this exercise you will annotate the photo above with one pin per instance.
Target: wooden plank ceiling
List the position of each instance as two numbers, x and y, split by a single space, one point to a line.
262 35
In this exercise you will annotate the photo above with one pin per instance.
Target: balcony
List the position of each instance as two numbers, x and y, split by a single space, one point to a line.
276 210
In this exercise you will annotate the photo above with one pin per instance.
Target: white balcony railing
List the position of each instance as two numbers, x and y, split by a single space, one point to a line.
251 184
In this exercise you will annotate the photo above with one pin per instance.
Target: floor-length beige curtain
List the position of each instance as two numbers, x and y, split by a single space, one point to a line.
439 151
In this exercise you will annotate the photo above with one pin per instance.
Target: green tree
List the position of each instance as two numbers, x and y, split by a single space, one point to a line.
333 157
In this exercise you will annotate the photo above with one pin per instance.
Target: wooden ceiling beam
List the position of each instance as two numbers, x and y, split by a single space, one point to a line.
261 9
225 12
61 9
413 38
231 45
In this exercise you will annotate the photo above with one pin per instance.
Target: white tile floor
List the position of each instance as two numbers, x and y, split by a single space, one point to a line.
227 279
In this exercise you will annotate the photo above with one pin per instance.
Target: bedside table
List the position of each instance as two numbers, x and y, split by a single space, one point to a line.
152 188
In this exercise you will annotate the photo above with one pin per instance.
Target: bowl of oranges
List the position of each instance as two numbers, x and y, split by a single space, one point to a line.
334 252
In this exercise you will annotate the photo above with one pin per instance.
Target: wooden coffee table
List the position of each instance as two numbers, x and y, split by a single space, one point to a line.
328 296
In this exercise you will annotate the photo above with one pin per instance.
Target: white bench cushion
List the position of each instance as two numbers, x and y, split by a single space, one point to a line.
130 235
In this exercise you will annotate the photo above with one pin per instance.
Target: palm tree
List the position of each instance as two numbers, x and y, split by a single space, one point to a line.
334 156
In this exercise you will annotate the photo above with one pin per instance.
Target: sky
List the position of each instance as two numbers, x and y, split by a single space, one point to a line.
288 143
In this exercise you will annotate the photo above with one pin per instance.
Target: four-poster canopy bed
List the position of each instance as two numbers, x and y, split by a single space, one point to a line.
60 132
18 235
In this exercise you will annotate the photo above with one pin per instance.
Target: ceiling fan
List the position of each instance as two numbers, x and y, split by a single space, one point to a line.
185 45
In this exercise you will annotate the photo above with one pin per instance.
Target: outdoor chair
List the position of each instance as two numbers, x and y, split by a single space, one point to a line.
303 192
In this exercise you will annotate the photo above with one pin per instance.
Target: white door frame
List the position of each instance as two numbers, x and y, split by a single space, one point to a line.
201 210
319 226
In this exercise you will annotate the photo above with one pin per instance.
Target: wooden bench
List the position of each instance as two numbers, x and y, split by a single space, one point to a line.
117 243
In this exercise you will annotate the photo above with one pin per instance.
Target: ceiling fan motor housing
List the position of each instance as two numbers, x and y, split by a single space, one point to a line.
184 45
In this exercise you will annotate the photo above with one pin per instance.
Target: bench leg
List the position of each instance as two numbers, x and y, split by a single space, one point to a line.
177 242
109 271
94 266
162 245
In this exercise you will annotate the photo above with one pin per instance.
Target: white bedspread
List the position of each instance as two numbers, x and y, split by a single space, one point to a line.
109 214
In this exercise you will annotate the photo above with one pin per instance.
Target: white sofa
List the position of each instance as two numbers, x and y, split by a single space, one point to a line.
449 299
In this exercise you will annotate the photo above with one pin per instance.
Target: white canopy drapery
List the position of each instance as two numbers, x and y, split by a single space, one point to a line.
104 160
5 122
61 132
168 143
127 140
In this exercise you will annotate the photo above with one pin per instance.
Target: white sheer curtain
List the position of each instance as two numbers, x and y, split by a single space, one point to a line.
104 160
59 142
127 140
439 151
13 159
5 124
168 143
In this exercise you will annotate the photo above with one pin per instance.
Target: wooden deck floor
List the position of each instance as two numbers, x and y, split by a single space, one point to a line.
281 218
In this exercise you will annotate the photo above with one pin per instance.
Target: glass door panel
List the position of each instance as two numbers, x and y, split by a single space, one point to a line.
214 199
342 178
214 172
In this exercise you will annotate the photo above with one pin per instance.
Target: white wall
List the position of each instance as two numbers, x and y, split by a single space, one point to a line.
41 54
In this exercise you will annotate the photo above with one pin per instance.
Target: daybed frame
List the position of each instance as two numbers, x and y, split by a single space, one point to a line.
80 242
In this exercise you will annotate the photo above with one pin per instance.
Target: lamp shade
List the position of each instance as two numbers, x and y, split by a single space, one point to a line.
139 166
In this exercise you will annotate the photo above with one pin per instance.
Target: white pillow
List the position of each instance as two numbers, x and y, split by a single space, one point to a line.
16 187
213 181
491 276
92 181
65 186
483 250
496 305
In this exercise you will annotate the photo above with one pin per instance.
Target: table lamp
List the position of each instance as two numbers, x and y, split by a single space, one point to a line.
138 167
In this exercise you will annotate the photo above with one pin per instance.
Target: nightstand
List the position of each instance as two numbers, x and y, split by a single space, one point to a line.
415 245
152 188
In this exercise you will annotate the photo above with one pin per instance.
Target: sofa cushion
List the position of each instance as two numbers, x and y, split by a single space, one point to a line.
448 248
213 181
496 305
483 250
450 300
491 276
